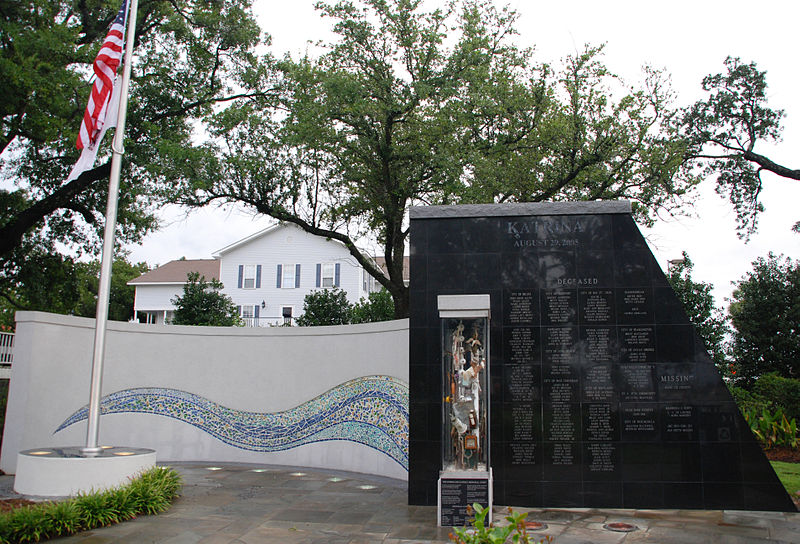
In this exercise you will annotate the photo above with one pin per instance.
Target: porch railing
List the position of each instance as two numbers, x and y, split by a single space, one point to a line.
268 321
6 354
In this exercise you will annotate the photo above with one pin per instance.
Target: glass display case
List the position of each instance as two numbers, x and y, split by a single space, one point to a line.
465 398
466 475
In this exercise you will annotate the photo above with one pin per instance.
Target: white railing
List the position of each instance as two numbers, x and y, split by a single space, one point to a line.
267 321
6 354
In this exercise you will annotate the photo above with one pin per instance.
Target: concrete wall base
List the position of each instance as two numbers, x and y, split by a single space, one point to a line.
61 472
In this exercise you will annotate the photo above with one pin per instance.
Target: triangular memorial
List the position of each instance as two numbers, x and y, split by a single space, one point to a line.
601 393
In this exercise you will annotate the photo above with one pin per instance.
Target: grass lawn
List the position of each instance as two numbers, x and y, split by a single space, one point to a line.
789 473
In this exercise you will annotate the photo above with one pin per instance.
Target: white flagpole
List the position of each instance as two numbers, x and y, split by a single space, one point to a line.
92 448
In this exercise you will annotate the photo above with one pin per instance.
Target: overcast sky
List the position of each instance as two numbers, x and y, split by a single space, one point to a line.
690 39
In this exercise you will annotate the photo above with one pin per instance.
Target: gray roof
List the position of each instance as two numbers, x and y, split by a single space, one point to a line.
176 271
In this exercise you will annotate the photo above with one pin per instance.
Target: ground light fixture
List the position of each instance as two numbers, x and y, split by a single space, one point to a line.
620 527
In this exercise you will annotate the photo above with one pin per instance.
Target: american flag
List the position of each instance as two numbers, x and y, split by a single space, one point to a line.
105 69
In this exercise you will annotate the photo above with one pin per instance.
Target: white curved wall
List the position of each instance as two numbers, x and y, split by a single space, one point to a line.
261 370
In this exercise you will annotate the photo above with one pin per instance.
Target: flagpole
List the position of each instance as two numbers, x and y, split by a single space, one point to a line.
101 319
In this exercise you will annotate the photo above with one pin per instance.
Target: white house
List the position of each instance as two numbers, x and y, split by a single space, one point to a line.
267 275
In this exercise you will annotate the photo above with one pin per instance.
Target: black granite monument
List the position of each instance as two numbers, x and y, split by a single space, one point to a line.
602 395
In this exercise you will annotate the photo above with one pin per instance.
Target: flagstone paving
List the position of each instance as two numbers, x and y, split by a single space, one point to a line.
248 504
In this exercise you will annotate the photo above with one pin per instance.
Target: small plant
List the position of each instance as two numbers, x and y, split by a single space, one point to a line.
772 427
150 493
481 533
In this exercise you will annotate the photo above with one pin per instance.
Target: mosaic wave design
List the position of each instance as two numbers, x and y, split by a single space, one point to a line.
372 410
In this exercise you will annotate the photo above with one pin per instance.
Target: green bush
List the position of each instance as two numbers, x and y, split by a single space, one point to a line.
379 306
150 493
748 401
782 392
325 307
772 428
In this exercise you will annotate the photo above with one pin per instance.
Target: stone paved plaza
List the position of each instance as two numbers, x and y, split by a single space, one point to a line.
263 504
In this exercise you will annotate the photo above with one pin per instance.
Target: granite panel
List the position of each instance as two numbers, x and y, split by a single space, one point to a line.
601 392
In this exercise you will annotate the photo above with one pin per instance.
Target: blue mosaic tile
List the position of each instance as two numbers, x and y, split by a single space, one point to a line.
372 410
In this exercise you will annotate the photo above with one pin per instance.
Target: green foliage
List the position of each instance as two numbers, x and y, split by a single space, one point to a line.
62 285
723 131
483 533
698 302
765 313
772 428
325 307
407 106
378 306
189 56
203 304
151 492
748 401
783 393
98 509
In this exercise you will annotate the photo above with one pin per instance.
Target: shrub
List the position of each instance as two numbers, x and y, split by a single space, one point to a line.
782 392
379 306
772 428
150 493
325 307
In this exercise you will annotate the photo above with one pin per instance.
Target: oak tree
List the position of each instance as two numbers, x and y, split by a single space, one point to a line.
412 107
189 55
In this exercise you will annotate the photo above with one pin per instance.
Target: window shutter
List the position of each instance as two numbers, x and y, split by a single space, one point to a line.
319 274
255 312
239 310
338 277
280 273
241 275
258 277
297 275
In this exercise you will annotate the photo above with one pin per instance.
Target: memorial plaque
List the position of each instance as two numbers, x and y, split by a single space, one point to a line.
638 344
637 382
559 306
601 392
521 308
524 453
522 383
458 493
601 461
678 422
597 384
634 305
600 423
559 345
599 344
640 422
596 306
521 345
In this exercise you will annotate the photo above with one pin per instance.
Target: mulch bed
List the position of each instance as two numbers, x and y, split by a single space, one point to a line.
782 453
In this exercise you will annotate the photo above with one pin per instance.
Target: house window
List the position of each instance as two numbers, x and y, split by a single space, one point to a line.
286 311
328 275
249 276
288 276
